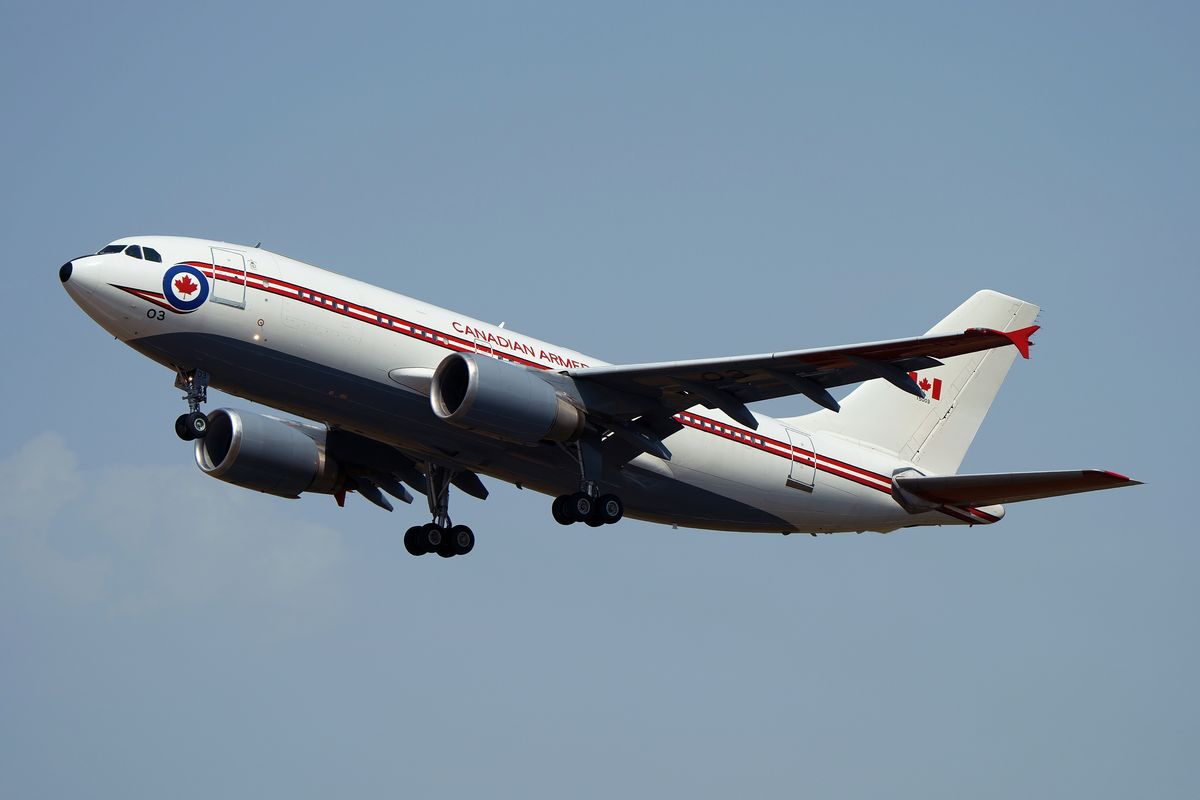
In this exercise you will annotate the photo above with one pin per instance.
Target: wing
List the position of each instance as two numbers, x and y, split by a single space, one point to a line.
729 384
1008 487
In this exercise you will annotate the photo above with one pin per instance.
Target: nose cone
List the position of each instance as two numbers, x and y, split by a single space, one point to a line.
86 281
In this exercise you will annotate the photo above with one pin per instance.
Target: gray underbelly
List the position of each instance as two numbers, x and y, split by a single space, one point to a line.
402 418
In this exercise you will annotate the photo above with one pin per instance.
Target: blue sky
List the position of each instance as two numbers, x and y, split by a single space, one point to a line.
641 183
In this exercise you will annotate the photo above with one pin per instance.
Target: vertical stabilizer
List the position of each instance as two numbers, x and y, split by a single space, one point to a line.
934 433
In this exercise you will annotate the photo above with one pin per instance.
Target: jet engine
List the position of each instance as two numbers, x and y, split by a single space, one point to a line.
502 400
266 454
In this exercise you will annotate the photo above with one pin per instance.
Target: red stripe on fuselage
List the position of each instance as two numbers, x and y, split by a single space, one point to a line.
371 316
354 311
150 297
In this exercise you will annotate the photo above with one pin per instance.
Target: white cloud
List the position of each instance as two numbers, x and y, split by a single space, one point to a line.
143 539
36 481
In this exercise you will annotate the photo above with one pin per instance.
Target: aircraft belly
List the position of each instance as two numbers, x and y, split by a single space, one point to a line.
386 411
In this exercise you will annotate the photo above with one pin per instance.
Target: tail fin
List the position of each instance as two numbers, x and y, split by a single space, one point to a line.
934 433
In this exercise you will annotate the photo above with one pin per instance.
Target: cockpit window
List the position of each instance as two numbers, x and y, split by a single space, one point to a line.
133 251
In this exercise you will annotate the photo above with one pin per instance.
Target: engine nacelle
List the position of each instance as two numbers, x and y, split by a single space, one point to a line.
502 400
266 454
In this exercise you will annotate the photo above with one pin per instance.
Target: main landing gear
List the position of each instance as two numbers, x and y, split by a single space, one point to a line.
587 505
439 536
192 425
583 507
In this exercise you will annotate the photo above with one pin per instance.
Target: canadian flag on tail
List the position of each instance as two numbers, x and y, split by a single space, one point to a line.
926 385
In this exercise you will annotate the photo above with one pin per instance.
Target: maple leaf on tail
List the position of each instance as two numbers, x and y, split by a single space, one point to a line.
185 285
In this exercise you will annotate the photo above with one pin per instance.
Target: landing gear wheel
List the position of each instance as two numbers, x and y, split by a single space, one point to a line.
580 506
561 510
412 541
191 426
594 519
431 537
197 424
610 509
462 539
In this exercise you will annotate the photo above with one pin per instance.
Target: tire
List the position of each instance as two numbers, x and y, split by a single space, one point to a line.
594 520
610 509
462 539
431 537
580 506
197 424
412 541
562 514
181 428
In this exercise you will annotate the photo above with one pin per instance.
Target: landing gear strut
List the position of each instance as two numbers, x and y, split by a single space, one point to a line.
192 425
587 505
440 536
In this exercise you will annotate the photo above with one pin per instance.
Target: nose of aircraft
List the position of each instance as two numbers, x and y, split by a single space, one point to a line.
86 281
81 277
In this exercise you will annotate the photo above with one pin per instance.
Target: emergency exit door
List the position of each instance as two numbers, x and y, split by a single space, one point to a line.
229 285
803 468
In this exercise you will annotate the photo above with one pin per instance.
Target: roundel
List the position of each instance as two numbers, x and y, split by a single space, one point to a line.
185 287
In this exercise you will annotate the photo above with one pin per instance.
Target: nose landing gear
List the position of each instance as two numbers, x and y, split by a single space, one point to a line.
192 425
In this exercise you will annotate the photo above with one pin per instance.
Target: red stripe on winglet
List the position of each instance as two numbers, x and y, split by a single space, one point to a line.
1020 338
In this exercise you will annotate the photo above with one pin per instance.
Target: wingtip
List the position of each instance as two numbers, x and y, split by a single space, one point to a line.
1111 479
1018 338
1021 338
1119 478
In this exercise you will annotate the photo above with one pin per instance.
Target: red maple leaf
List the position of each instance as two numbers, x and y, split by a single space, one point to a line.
186 285
925 384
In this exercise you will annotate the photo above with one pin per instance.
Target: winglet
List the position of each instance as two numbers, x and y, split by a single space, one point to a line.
1019 338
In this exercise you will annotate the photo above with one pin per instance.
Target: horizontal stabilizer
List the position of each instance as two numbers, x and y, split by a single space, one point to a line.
1008 487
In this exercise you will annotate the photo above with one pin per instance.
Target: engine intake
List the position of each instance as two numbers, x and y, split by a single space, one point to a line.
502 400
266 454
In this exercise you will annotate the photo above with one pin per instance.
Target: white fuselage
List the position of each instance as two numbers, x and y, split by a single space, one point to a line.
358 357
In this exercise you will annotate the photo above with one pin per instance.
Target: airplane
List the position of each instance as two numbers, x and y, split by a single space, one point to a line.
404 395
